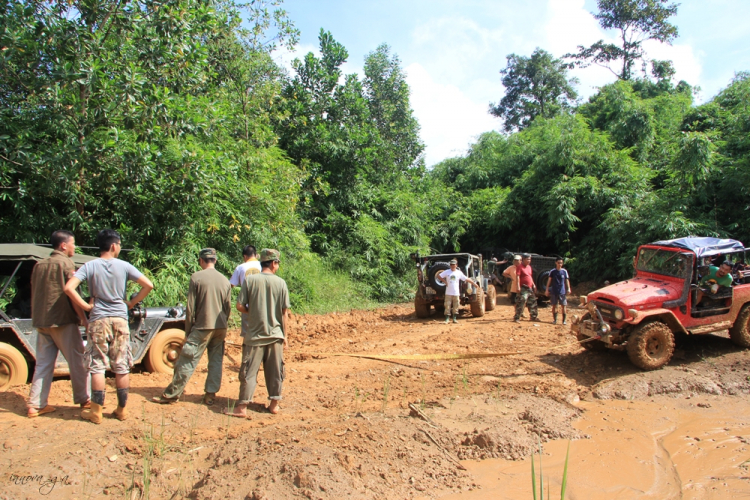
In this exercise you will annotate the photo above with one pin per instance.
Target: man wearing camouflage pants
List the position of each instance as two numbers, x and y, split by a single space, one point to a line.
108 346
207 311
526 290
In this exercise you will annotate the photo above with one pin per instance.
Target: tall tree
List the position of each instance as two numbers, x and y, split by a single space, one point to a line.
636 21
387 94
534 86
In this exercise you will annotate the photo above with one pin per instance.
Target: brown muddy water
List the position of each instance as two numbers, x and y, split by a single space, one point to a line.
662 448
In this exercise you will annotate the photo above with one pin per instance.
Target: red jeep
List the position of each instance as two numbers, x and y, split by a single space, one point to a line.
641 315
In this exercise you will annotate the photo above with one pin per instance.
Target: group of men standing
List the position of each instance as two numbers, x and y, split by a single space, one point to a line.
58 309
523 289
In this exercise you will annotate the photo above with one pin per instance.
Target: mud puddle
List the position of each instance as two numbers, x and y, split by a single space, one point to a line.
664 448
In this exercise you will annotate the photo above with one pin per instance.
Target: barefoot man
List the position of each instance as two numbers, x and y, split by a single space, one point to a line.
264 298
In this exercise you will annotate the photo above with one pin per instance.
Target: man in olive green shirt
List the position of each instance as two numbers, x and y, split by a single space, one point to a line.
264 298
206 315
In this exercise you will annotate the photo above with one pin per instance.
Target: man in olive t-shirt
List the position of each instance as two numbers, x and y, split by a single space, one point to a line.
206 315
264 298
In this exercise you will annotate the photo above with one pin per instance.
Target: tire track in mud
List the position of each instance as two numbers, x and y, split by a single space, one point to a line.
665 470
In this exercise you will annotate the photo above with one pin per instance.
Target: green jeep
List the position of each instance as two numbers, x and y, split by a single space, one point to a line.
156 333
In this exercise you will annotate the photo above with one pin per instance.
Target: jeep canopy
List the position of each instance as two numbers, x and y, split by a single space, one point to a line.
703 246
29 251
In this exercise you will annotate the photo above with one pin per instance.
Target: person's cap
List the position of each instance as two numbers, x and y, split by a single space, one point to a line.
207 253
526 256
269 254
516 257
454 261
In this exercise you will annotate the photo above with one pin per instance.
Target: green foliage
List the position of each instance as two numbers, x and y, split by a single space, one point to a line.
534 86
637 163
170 122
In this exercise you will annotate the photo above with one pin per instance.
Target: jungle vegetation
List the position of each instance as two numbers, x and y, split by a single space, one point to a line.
170 121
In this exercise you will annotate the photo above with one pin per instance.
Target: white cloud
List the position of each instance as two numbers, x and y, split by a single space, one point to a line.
453 48
449 119
686 62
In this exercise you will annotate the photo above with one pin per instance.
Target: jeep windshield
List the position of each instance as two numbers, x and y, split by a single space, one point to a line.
666 262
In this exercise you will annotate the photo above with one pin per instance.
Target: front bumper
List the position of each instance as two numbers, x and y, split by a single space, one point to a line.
596 327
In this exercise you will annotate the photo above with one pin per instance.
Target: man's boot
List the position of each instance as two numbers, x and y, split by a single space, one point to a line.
120 413
565 319
447 319
455 320
554 318
93 414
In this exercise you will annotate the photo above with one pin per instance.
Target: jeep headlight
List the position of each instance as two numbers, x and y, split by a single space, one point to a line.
619 314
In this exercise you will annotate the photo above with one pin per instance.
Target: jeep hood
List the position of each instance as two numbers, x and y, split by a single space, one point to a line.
639 291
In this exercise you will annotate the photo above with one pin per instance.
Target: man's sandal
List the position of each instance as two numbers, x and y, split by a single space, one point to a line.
209 398
164 401
33 412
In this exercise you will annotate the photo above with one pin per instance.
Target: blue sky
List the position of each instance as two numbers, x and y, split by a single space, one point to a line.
452 51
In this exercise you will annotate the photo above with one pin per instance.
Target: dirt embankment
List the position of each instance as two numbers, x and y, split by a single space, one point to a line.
345 427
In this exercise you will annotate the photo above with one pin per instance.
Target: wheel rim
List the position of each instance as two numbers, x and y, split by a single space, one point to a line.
5 373
654 348
170 353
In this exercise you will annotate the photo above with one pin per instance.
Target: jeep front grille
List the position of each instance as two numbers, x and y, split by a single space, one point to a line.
608 311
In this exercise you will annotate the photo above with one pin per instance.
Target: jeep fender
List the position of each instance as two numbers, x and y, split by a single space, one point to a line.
663 315
10 335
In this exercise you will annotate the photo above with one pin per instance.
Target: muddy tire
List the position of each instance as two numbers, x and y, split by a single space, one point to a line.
740 331
13 367
650 346
477 307
164 351
490 300
421 308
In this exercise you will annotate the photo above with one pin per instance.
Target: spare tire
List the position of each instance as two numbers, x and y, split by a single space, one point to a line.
437 268
541 282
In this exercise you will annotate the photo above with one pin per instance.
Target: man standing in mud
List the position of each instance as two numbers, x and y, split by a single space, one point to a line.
264 298
510 274
209 303
56 321
109 336
526 290
452 279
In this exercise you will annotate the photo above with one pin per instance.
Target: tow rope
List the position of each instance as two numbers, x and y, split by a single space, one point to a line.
424 357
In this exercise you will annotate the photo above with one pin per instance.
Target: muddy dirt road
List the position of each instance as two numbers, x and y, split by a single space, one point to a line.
345 428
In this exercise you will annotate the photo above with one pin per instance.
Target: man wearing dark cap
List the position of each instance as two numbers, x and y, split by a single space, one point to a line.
264 298
56 322
206 314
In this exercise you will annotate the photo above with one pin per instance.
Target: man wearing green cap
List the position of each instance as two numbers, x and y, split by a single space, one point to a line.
206 315
264 298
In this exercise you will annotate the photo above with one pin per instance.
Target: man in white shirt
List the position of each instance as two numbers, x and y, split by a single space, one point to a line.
452 278
249 266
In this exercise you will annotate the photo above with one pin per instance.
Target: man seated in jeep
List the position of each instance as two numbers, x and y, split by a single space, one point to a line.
716 277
